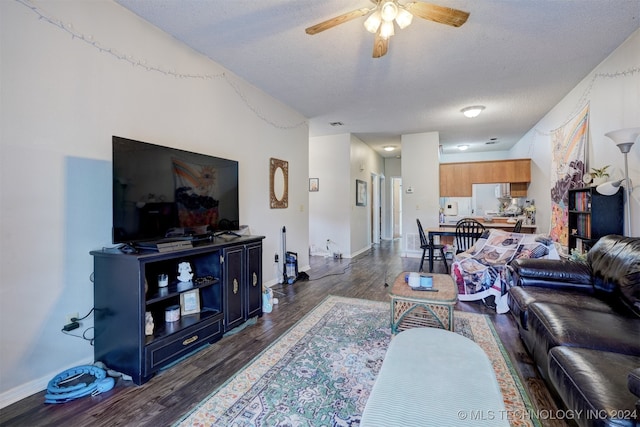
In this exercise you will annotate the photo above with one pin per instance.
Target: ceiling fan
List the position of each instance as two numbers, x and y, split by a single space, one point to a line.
385 12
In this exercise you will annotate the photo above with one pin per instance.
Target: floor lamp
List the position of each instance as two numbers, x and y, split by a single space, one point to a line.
624 139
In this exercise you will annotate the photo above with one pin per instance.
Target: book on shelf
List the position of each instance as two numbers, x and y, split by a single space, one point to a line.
582 201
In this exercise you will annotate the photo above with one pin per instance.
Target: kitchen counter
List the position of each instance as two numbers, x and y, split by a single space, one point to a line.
497 223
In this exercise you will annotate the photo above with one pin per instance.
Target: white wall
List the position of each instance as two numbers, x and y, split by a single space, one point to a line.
339 160
612 91
421 174
329 208
62 100
465 156
364 163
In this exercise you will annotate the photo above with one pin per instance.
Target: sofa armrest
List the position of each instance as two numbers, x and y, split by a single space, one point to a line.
551 273
633 381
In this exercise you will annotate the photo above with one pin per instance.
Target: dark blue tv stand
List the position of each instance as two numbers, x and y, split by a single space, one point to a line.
227 277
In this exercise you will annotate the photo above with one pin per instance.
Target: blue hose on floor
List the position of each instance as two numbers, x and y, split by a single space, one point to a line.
56 393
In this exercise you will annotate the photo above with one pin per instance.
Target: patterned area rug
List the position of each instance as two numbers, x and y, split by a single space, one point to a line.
320 373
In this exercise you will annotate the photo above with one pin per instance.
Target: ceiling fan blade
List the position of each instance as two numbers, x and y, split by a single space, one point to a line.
330 23
440 14
380 46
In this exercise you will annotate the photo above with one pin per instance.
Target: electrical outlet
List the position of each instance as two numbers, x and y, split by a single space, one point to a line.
72 316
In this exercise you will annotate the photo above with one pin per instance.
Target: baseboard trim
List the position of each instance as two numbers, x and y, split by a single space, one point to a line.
35 386
363 250
277 281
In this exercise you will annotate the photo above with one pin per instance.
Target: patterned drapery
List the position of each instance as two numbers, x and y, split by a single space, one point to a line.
567 168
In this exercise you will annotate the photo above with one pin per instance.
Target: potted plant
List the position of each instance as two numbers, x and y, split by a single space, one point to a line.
600 175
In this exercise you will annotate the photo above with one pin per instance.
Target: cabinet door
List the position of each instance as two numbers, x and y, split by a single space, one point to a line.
254 281
457 179
234 287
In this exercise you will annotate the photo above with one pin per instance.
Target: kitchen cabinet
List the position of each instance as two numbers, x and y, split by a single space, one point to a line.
456 179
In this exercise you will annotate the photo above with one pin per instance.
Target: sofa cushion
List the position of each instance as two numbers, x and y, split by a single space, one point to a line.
593 383
521 297
558 324
615 265
550 325
634 381
551 273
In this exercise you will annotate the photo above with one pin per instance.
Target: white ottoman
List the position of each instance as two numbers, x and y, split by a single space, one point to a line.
433 377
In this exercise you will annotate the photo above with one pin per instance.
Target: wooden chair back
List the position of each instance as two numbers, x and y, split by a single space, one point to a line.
468 230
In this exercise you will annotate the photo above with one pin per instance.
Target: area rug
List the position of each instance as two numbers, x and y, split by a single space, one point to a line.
320 372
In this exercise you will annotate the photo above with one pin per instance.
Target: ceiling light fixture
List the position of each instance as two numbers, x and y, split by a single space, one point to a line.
389 148
387 30
387 13
372 23
404 18
473 111
463 147
384 15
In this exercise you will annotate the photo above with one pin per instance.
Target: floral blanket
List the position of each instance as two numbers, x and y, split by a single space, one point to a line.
479 272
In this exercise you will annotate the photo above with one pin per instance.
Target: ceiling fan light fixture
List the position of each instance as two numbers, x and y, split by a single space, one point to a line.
473 111
403 18
389 11
372 23
386 29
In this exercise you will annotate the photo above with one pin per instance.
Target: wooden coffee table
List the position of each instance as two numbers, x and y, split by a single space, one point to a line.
419 309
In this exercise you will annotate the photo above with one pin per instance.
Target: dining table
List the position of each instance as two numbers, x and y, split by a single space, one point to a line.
437 231
450 231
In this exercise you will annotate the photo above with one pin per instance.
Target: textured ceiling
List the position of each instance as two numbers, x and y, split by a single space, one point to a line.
518 58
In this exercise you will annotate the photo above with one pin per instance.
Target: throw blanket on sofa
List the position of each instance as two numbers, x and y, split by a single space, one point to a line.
478 272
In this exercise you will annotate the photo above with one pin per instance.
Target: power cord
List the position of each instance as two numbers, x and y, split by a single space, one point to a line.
83 336
75 324
76 319
344 270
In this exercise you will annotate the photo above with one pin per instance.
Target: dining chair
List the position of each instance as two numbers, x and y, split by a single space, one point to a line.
517 227
425 246
468 230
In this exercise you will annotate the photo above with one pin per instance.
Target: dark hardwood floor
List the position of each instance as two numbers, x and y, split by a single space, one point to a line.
176 390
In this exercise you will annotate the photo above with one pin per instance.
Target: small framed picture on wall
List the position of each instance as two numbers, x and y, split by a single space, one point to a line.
361 193
314 184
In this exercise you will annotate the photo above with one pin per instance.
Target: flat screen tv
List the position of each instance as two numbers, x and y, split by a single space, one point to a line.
162 193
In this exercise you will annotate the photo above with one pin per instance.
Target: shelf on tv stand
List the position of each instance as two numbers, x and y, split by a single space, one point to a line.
228 280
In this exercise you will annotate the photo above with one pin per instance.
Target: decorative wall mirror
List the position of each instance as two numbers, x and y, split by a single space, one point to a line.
278 184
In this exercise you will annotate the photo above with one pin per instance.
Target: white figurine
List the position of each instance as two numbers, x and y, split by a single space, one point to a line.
184 270
148 324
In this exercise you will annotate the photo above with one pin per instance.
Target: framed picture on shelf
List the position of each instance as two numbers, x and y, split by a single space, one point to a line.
361 193
190 302
314 184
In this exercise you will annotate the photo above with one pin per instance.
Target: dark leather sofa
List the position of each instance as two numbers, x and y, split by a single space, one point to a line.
580 321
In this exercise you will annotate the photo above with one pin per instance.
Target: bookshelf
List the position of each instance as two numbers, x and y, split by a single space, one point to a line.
593 215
